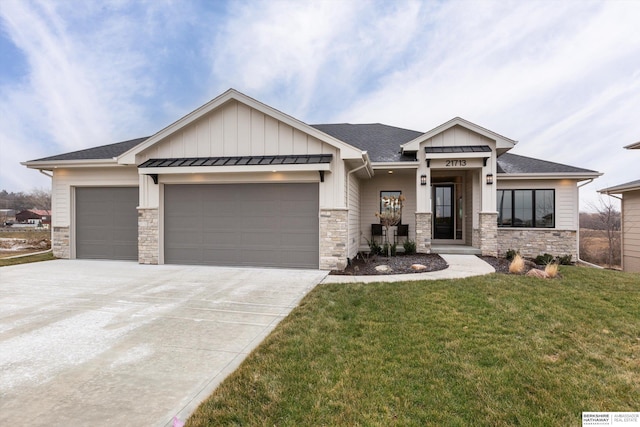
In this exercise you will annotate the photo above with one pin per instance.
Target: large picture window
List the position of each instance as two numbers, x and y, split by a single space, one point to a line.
526 208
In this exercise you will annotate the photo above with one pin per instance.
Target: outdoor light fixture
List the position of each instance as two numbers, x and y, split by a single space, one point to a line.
423 179
489 178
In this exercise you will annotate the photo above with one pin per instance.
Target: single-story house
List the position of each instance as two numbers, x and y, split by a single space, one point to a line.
34 216
630 219
237 182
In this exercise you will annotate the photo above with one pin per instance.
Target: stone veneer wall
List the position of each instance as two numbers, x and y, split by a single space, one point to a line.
489 233
148 236
531 242
333 239
423 232
61 242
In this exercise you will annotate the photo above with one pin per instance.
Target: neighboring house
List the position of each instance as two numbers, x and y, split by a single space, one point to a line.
237 182
34 216
630 219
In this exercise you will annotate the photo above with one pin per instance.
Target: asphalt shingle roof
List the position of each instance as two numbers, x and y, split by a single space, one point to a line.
97 153
627 186
382 142
514 164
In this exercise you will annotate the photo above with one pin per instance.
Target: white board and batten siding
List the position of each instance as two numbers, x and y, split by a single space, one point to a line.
64 181
457 136
235 129
631 231
566 198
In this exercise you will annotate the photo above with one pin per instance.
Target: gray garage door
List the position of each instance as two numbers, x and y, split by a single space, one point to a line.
107 223
269 225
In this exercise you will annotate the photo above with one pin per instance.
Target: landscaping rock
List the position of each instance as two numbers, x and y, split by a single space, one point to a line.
537 273
383 268
418 267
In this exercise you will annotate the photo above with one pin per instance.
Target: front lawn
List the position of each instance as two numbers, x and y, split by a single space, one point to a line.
497 350
47 256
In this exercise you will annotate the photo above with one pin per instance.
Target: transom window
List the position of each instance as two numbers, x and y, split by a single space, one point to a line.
526 208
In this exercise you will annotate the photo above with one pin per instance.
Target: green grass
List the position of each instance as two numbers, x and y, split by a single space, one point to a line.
27 259
498 350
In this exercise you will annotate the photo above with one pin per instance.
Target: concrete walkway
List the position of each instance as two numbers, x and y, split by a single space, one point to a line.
460 266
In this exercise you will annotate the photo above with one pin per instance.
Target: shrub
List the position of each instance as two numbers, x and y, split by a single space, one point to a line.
389 249
544 259
551 270
374 247
517 265
511 253
564 260
409 247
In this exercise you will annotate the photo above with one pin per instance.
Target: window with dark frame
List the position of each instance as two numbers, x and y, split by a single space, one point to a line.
526 208
395 194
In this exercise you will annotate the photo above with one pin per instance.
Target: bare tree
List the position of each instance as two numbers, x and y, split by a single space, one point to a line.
41 198
608 218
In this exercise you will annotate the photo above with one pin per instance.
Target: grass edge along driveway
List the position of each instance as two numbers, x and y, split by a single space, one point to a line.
495 350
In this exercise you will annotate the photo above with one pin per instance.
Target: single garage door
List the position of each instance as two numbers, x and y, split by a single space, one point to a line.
266 225
107 223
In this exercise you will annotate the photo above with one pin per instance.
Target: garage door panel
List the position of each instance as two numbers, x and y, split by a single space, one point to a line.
106 223
242 224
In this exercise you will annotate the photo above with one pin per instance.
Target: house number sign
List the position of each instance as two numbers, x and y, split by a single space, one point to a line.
455 163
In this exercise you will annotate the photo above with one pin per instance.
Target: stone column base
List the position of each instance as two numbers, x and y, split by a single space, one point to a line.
423 232
148 236
333 239
489 233
61 243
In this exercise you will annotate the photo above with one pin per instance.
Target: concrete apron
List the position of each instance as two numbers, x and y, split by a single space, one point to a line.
117 343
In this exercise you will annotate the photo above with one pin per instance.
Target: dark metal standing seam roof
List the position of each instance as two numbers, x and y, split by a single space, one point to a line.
459 149
305 159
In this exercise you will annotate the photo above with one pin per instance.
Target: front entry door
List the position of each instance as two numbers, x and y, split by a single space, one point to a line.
443 212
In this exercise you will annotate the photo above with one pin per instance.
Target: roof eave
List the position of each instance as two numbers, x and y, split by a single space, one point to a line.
634 146
54 164
578 176
619 189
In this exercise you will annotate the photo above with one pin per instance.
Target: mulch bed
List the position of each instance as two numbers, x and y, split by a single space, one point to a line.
400 264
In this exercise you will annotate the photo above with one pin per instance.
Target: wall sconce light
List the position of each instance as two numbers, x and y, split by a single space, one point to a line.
423 179
489 178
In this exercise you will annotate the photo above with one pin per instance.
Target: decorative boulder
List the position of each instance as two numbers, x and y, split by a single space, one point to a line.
383 268
418 267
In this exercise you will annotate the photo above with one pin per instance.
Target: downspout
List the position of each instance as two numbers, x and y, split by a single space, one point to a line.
578 234
44 173
365 157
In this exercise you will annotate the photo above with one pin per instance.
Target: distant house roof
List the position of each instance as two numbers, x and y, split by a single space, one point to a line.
102 152
514 164
622 188
634 146
381 142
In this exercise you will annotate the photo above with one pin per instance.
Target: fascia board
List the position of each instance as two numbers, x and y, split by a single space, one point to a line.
501 141
235 169
619 189
396 165
524 176
54 164
347 151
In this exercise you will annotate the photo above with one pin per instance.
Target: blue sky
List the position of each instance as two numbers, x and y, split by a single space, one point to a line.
560 77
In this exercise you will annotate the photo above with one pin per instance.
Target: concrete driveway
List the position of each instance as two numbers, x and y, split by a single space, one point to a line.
117 343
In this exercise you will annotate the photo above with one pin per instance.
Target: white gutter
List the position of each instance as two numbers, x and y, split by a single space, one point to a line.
347 204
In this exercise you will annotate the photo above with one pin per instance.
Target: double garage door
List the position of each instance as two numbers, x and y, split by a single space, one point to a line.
271 225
